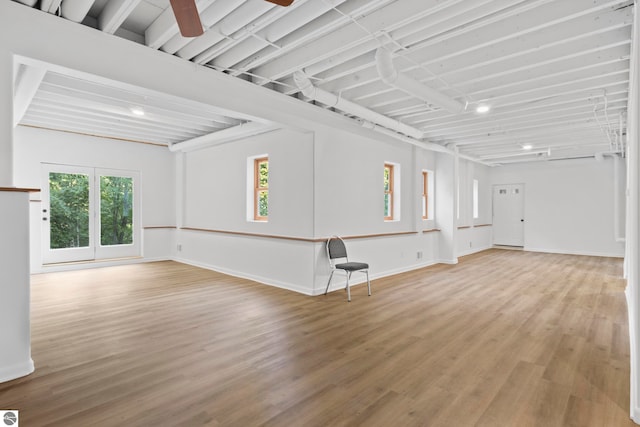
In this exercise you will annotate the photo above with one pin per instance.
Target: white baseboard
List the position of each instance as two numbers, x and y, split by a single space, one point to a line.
16 371
70 266
569 252
473 250
259 279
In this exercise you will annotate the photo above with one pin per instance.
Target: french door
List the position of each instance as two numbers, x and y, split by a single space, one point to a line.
89 213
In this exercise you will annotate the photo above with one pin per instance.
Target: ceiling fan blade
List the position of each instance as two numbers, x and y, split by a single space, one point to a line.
281 2
187 17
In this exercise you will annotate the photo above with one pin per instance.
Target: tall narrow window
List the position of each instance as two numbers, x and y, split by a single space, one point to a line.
261 189
425 195
388 191
475 199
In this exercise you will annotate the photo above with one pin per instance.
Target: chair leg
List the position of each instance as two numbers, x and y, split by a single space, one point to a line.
368 282
329 282
348 289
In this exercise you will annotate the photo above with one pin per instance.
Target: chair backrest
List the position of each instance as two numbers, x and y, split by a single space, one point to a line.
336 248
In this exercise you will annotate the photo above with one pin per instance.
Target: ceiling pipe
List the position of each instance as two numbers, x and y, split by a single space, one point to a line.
243 130
75 10
389 75
319 27
372 120
310 91
250 30
209 17
243 15
292 21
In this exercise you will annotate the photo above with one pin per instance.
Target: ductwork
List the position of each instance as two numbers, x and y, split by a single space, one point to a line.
243 130
75 10
389 75
327 98
372 120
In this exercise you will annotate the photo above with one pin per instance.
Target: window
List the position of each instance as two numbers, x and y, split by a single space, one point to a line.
261 189
425 195
475 199
388 192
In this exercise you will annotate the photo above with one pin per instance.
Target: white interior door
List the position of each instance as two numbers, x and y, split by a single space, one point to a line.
89 214
508 214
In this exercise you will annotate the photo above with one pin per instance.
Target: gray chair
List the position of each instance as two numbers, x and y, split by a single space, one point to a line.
336 250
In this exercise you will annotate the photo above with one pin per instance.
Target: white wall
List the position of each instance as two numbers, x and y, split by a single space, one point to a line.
568 205
469 237
15 357
155 164
215 198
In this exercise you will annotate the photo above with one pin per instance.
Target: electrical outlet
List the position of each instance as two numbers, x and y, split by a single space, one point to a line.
179 247
470 244
419 255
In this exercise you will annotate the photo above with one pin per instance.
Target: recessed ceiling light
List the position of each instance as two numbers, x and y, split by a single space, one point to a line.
527 147
137 111
482 108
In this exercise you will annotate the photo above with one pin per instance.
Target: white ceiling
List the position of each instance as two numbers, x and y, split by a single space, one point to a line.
554 72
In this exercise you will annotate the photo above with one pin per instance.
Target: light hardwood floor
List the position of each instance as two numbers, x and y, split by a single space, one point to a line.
504 338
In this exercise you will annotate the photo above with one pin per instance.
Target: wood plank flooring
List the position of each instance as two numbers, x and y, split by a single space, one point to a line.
504 338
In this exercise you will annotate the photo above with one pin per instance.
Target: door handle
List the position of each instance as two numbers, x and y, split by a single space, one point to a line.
522 220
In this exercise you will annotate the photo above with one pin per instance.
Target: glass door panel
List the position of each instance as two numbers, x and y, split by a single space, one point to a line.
89 214
67 216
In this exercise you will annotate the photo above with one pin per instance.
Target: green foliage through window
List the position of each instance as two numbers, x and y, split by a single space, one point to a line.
69 205
70 210
116 210
261 190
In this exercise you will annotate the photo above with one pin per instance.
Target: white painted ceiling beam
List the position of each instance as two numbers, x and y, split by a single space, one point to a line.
149 132
527 123
472 49
528 70
386 18
321 26
241 131
160 102
87 101
27 85
507 116
165 26
558 120
551 131
480 9
390 99
536 94
587 96
293 20
211 16
75 10
114 14
251 31
104 132
233 22
50 6
161 123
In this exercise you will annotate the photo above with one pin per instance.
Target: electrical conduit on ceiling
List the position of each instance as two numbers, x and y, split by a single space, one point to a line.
310 91
373 120
292 21
389 75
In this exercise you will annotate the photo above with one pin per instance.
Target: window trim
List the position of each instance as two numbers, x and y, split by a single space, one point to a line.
475 199
425 195
390 191
257 189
